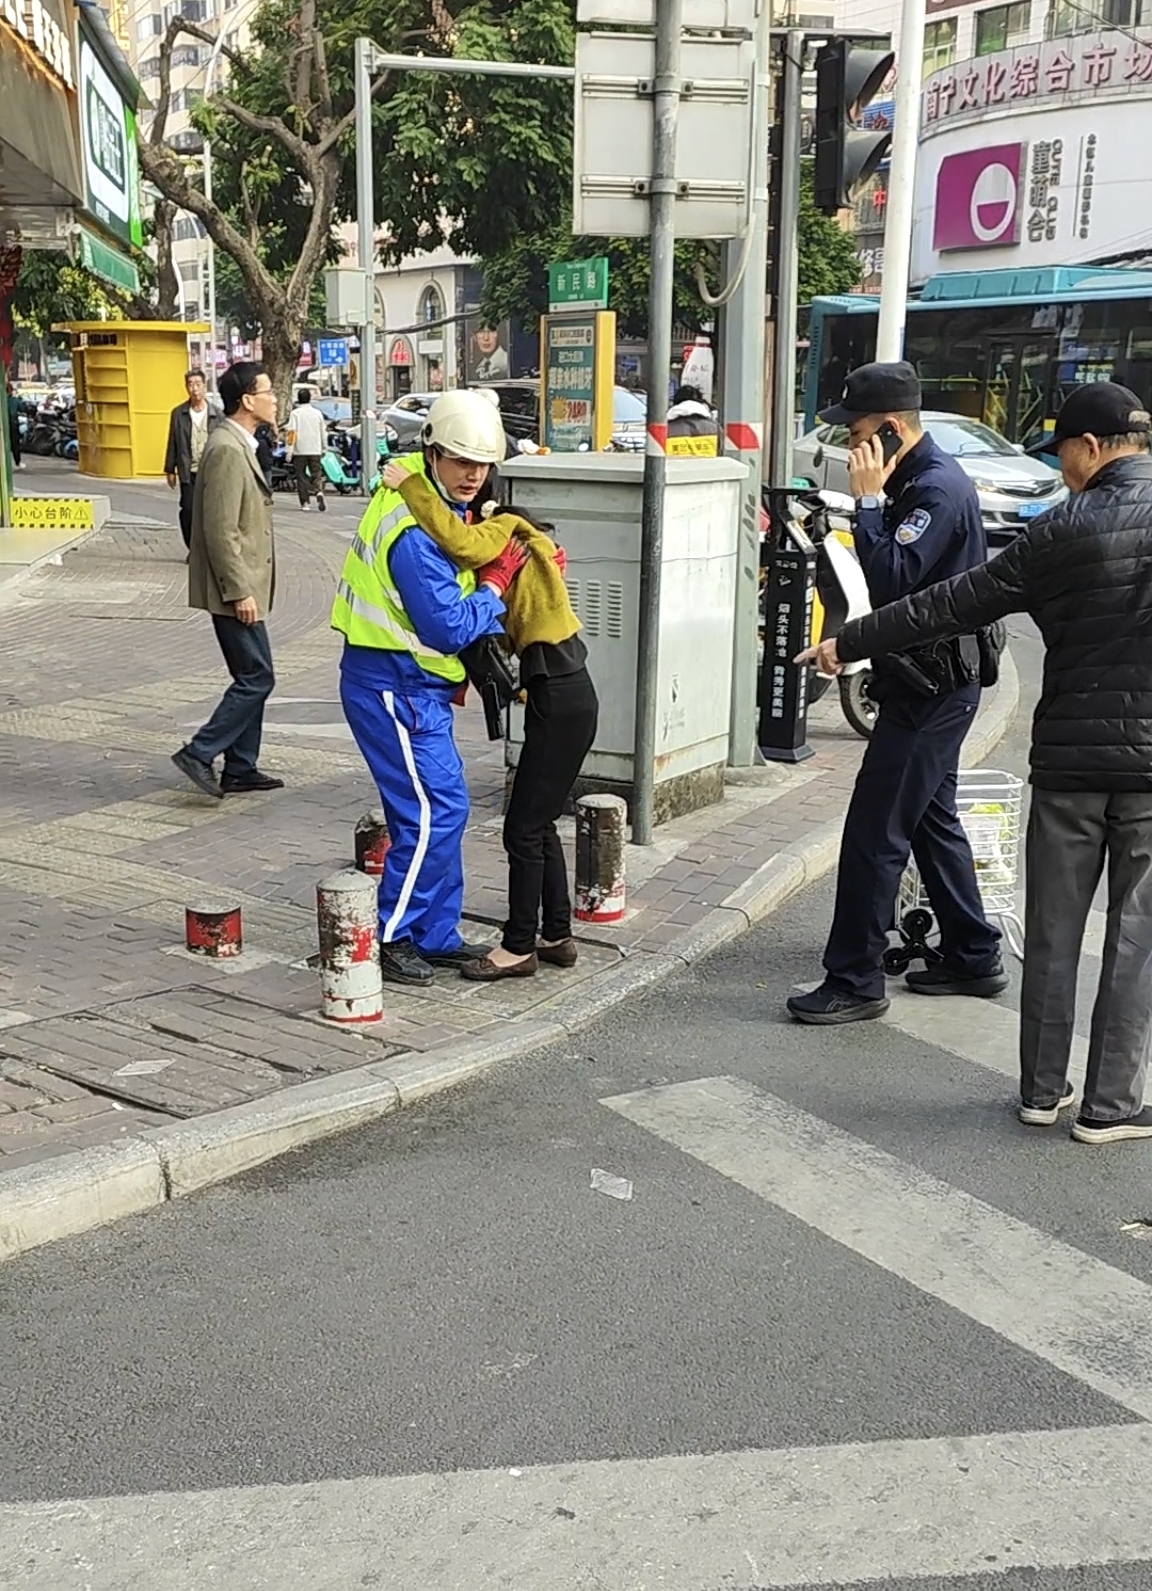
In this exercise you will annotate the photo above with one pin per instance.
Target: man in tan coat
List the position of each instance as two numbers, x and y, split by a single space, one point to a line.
232 576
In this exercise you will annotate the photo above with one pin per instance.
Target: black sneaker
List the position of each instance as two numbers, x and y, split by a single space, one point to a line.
200 773
830 1007
943 979
247 783
322 503
1045 1115
401 962
456 958
1113 1132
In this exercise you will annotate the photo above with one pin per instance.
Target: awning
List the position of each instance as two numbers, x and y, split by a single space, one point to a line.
108 263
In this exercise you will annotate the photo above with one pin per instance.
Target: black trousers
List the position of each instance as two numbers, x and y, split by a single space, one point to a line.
186 509
904 801
235 728
559 728
309 477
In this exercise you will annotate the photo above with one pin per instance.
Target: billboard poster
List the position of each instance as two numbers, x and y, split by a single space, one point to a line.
108 142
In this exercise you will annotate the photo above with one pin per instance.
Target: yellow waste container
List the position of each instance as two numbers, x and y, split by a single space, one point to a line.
129 376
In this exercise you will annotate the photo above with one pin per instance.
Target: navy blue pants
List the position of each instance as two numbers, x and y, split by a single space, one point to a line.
237 724
408 746
905 802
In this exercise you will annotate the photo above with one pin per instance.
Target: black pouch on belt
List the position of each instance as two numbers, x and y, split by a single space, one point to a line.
490 672
991 640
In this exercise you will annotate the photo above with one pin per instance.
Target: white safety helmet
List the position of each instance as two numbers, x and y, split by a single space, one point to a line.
468 425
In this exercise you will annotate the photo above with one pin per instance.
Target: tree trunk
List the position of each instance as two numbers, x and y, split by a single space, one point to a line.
167 287
280 341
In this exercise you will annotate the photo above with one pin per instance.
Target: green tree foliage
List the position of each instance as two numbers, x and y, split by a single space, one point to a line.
828 259
51 289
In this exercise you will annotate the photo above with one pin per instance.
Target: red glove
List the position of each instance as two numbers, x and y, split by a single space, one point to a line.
561 560
501 572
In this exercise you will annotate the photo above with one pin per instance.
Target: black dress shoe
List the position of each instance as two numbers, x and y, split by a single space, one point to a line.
244 783
401 962
200 773
455 958
943 979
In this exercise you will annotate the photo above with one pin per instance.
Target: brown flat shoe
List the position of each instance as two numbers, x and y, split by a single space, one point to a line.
562 954
485 970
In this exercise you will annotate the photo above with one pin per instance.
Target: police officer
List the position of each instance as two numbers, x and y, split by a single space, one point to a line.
917 521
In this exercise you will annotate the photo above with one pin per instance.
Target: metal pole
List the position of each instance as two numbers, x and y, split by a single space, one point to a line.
901 186
366 257
787 263
662 211
210 293
742 406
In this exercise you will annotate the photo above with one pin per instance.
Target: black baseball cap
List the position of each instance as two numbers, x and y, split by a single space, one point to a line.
875 389
1099 408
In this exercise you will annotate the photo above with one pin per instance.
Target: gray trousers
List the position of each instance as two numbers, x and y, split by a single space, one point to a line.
1071 835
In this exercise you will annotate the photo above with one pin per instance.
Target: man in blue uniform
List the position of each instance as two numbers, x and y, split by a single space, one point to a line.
917 521
406 611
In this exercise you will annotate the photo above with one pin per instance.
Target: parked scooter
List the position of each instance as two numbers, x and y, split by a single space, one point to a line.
841 594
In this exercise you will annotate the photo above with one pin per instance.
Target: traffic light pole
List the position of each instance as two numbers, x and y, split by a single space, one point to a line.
786 259
901 186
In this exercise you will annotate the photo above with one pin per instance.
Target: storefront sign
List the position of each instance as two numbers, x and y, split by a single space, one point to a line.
108 131
978 198
1087 183
1045 173
32 21
52 513
1060 71
400 353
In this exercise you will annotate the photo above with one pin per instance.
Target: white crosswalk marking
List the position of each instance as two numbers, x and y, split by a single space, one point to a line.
826 1516
977 1030
1053 1300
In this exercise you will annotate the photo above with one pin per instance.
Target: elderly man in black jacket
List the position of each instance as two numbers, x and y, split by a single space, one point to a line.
1084 573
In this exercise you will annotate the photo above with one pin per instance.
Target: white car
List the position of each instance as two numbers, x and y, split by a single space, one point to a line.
1013 489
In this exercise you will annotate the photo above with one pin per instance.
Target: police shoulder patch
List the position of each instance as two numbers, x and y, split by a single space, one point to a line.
912 528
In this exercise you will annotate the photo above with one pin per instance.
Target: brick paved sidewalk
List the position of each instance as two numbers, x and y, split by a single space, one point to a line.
107 1026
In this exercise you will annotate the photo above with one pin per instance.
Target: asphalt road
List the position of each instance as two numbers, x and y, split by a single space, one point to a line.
854 1327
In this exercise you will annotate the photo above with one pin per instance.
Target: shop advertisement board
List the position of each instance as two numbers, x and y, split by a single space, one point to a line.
578 361
108 142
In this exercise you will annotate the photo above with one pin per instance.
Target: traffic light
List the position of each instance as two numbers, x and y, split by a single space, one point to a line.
848 78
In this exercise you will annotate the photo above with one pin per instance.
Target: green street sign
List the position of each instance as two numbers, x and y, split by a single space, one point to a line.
578 284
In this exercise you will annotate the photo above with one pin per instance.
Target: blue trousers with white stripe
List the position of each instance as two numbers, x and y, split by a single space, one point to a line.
406 740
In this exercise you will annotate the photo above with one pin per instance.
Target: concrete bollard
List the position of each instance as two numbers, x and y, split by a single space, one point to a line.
372 842
350 983
600 839
213 930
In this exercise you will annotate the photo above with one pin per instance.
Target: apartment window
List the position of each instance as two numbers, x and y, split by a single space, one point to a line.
186 229
1002 27
939 45
188 55
1065 17
150 67
149 28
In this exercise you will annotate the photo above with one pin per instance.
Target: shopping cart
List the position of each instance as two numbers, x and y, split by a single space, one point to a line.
989 807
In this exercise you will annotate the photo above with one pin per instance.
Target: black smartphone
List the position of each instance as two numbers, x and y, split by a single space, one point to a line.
890 440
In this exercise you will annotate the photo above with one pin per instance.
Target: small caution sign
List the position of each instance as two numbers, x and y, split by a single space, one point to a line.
52 513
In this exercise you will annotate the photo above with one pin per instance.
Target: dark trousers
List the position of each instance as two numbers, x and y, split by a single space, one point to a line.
235 727
1071 836
904 802
309 477
14 442
186 490
559 728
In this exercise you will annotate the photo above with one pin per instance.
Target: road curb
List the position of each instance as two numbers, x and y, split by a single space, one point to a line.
72 1193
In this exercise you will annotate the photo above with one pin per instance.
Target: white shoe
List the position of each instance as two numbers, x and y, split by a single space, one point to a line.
1046 1115
305 508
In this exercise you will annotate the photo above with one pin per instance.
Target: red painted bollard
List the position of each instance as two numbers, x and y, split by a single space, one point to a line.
372 842
212 930
600 839
350 983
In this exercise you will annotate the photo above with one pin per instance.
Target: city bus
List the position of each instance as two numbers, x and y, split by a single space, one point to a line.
1005 347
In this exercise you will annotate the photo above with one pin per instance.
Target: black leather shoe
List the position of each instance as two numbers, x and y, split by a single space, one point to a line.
200 773
826 1007
456 958
246 783
401 962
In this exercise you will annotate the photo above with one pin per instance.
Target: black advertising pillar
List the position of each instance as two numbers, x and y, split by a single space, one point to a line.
783 696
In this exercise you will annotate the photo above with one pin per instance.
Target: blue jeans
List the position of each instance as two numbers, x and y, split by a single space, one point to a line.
235 727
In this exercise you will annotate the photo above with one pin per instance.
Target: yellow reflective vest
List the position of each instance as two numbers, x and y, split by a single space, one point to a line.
368 609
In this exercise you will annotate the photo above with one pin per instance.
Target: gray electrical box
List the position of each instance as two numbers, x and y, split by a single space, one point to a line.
593 500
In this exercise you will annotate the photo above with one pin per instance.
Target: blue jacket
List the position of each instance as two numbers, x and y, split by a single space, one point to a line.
929 528
441 615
